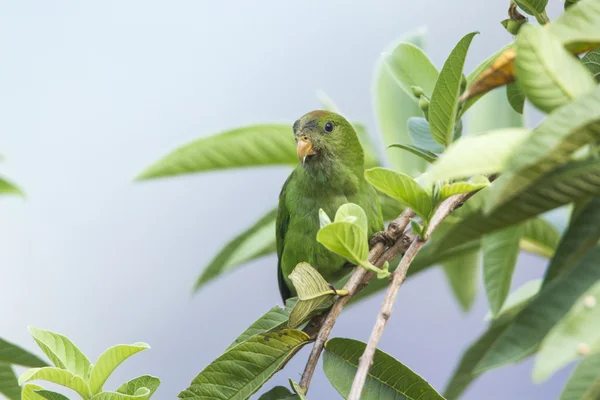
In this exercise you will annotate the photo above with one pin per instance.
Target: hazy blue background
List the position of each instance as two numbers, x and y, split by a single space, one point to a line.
93 92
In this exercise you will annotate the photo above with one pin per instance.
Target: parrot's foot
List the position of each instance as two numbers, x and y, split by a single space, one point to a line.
382 237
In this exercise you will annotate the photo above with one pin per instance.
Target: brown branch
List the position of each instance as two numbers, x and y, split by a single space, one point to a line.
359 279
398 277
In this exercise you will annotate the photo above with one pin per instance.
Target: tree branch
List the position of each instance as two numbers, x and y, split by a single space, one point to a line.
359 279
398 277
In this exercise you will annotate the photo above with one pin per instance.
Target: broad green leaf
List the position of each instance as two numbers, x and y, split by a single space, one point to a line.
462 272
145 381
477 183
29 392
393 107
402 188
390 208
493 112
388 378
581 325
517 298
579 27
50 395
243 369
516 97
276 317
539 237
345 239
532 7
465 373
250 146
582 234
354 214
411 67
7 187
547 73
256 241
13 354
543 312
500 251
62 352
109 361
313 292
550 145
592 62
485 65
277 393
478 155
140 394
576 180
59 376
9 385
444 100
420 134
424 154
585 376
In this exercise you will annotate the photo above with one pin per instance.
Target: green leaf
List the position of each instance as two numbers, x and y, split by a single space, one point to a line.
550 145
9 385
592 62
243 369
582 234
532 7
59 376
477 183
354 214
388 378
500 251
420 134
250 146
62 352
539 237
109 361
579 27
478 155
465 372
345 239
324 219
517 298
462 272
256 241
410 66
390 208
393 107
580 326
493 112
301 393
402 188
277 393
7 187
585 377
50 395
516 97
276 317
576 180
145 381
542 313
140 394
424 154
313 292
29 392
444 100
547 73
13 354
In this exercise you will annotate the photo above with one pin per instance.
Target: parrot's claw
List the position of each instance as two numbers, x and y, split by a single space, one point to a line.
382 237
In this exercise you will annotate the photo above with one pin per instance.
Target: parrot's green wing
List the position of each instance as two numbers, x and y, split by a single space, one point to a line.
283 219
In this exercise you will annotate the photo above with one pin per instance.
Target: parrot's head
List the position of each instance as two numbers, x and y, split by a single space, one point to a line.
324 139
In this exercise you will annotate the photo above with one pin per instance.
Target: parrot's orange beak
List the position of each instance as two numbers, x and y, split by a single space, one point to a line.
304 148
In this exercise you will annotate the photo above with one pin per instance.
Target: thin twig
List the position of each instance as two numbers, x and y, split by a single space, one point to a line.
359 278
398 277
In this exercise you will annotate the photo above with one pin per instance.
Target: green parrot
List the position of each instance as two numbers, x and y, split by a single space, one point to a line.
330 174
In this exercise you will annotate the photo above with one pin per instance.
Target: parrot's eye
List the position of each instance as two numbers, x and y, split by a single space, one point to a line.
329 126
